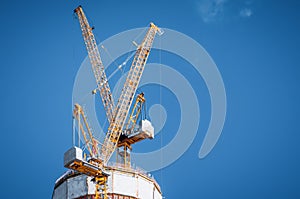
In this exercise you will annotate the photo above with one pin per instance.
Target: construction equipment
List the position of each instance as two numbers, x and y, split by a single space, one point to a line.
90 142
97 65
127 94
132 132
116 137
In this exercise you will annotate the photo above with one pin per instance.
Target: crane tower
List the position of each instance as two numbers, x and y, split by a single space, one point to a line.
90 174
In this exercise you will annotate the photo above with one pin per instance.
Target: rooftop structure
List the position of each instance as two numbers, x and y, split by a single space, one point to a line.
122 183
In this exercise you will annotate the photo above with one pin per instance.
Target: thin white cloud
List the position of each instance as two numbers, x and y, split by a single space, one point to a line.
211 10
219 10
246 12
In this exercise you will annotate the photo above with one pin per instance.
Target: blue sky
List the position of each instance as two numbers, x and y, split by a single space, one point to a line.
255 45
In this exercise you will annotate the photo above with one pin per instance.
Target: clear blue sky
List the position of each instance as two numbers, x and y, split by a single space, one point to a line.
254 43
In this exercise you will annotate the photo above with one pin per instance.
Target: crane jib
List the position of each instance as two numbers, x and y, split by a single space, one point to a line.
97 65
128 91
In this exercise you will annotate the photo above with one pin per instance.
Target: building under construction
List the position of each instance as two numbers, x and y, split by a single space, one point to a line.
122 184
90 173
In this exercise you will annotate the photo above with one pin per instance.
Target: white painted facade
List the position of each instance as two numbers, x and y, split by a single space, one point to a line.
120 182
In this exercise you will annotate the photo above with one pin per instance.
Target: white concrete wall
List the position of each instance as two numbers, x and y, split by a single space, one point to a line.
118 182
77 187
61 191
124 184
145 188
157 194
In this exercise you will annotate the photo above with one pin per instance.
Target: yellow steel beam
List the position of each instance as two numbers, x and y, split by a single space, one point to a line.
128 91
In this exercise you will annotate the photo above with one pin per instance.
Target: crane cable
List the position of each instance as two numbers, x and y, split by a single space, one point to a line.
160 116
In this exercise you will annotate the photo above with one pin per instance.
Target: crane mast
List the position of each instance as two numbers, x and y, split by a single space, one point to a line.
127 94
97 65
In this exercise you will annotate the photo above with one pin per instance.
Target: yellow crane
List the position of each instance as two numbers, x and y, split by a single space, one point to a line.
126 98
97 65
119 134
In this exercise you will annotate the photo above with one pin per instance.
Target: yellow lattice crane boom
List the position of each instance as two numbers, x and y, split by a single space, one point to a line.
97 65
90 142
127 94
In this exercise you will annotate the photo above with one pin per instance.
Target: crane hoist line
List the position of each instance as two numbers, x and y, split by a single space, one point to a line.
122 131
